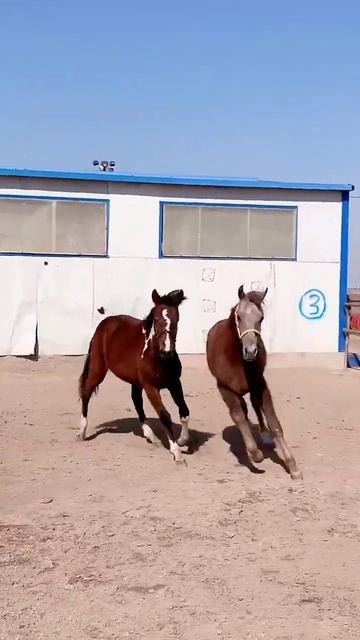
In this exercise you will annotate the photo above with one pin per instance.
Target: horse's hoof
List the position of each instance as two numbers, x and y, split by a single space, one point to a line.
182 442
80 436
155 442
181 462
296 475
257 456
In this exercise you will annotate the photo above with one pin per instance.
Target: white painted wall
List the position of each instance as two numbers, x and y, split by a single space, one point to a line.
62 297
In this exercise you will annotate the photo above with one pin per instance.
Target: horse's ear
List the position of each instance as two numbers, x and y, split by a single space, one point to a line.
241 292
177 297
262 295
155 297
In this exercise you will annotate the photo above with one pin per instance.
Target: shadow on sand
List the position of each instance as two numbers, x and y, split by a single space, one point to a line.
232 436
131 425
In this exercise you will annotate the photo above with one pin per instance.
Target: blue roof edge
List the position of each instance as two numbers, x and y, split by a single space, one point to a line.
173 180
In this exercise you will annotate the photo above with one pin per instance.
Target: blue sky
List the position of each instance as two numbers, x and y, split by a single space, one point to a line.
266 89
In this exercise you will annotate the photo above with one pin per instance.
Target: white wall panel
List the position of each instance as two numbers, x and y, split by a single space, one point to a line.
293 331
319 231
18 317
134 226
65 306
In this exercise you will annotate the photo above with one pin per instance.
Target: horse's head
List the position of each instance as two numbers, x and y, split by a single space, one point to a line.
248 318
165 317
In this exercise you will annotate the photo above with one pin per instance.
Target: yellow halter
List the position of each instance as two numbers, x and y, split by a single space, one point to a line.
241 334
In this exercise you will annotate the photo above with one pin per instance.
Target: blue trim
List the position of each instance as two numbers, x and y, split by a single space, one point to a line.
54 255
161 229
11 196
343 268
228 205
173 180
105 201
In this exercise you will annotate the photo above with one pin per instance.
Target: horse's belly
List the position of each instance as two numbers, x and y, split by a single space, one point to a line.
123 366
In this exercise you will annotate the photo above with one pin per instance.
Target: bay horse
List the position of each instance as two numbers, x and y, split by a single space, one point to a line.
236 357
142 353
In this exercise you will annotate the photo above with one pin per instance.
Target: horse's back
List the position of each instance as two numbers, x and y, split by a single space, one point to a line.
120 338
112 324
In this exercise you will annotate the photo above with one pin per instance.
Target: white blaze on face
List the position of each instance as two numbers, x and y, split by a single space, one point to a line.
167 329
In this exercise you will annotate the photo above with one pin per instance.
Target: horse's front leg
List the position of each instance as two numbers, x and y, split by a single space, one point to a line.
278 434
237 411
155 398
177 395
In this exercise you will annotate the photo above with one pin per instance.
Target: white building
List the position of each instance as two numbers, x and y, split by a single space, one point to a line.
71 243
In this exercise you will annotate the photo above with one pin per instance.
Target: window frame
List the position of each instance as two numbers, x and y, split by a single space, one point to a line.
230 205
105 201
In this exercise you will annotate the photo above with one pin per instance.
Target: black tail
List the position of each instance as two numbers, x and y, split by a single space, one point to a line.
85 373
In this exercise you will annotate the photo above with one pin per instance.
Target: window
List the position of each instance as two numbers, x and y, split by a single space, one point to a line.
53 226
227 231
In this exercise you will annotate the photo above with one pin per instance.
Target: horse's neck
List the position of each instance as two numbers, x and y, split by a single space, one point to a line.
148 333
148 324
232 324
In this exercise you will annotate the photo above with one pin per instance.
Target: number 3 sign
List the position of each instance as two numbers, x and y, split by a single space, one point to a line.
312 304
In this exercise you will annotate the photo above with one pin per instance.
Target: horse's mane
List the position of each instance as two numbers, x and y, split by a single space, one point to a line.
173 299
148 322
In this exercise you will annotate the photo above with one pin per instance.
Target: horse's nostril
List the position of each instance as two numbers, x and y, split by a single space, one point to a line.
250 352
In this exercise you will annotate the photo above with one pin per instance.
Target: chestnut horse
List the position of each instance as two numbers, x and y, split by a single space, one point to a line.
236 357
142 353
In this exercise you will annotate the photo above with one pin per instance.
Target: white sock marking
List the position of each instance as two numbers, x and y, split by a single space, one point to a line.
82 427
175 450
184 435
149 434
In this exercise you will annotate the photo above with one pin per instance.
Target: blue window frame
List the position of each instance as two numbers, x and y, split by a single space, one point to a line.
227 231
54 226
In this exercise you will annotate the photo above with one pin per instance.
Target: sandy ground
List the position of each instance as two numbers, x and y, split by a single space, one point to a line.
110 539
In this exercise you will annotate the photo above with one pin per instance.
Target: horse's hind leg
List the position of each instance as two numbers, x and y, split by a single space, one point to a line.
256 404
94 373
136 395
278 434
236 407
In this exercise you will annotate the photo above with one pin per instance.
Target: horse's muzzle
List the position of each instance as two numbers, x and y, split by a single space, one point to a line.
250 353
